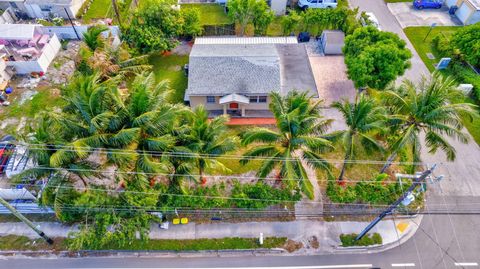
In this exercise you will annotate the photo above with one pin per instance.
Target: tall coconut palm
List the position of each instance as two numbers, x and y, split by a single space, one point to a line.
299 137
364 119
427 107
208 139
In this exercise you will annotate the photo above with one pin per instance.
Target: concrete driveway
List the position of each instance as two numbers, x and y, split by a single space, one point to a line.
331 79
407 16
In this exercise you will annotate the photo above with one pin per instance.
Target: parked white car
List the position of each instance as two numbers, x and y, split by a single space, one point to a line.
304 4
370 19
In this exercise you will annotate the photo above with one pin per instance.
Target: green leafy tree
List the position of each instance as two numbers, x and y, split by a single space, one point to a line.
299 138
244 12
364 119
155 26
262 18
208 139
467 41
92 37
191 22
375 58
291 22
427 108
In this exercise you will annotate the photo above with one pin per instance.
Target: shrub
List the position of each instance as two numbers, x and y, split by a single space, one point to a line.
348 240
191 22
442 46
464 74
467 41
365 192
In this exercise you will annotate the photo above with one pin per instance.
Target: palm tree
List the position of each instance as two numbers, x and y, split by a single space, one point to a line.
364 119
428 107
208 139
92 37
299 138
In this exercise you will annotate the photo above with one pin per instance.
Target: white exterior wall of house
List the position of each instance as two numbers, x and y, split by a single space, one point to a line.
4 76
41 64
35 10
467 12
202 100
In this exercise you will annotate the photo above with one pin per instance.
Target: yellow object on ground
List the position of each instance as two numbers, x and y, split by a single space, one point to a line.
184 220
402 226
176 221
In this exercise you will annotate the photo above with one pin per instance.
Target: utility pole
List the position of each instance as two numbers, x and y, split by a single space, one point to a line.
71 22
416 182
25 220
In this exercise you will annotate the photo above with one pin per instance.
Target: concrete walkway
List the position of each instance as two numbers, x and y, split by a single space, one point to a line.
327 233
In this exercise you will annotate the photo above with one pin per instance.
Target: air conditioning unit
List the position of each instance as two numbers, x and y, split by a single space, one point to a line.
465 88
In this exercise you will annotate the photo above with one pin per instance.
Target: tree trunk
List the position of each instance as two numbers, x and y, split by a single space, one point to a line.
388 162
342 172
117 12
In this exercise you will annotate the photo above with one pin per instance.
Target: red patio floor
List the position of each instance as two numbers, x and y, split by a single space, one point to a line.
251 121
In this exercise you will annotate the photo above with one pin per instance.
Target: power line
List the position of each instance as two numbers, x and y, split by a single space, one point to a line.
68 148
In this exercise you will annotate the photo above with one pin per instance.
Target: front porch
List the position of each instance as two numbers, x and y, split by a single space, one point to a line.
248 113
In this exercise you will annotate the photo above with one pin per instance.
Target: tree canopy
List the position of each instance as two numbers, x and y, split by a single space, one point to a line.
375 58
244 12
467 40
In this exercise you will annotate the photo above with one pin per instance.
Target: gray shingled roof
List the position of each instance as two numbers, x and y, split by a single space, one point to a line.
249 69
226 69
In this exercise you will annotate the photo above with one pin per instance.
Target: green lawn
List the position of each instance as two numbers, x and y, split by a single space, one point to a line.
12 242
99 9
416 35
210 14
40 102
171 67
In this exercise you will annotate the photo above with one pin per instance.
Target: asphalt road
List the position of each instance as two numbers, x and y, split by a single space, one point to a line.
442 241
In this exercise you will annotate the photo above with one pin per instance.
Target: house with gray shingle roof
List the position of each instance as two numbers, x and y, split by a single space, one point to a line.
235 76
44 8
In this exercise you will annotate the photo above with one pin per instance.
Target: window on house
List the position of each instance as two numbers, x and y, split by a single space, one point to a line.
46 8
258 99
253 99
262 99
210 99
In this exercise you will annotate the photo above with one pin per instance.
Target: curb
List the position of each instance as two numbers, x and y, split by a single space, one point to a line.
381 248
137 254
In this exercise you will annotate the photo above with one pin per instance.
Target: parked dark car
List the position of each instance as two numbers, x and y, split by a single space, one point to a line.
421 4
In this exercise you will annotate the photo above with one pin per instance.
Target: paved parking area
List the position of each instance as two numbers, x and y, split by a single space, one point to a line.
407 16
331 79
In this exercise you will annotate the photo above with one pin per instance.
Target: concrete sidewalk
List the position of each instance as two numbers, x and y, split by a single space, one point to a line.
327 233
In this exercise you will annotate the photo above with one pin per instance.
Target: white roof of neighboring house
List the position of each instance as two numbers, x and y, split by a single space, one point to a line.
17 31
245 40
15 194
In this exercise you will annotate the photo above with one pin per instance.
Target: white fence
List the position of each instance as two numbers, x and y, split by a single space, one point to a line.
67 32
41 64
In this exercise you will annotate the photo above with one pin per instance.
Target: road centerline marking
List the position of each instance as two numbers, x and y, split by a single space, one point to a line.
466 264
403 264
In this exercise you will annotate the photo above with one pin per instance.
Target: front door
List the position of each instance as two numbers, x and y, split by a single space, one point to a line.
233 106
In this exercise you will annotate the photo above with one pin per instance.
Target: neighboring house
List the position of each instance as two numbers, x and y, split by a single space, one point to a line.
278 6
235 76
468 11
26 48
332 42
43 8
